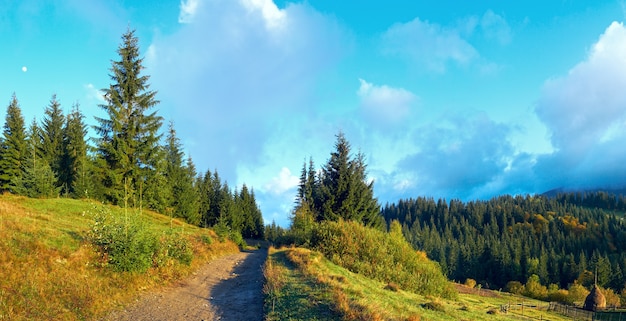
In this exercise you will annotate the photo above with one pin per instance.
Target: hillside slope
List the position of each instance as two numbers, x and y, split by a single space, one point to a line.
307 285
49 269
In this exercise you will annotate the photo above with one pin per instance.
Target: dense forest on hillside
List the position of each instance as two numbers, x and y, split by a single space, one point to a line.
562 240
132 162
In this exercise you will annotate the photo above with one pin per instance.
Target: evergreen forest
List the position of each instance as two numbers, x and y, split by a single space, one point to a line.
132 162
567 239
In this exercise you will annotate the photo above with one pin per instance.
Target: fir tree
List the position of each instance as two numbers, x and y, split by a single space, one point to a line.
51 134
128 141
183 199
38 179
13 148
189 205
76 173
153 188
344 190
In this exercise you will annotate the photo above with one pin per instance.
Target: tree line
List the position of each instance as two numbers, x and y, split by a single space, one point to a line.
513 238
130 164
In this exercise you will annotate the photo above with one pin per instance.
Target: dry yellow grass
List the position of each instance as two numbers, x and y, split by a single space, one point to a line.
48 271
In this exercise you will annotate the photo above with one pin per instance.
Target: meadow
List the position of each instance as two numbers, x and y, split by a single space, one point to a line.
51 269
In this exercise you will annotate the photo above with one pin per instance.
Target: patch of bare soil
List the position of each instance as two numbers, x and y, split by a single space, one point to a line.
476 291
228 288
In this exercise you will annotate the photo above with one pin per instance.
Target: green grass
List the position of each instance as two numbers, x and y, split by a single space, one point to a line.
300 297
355 297
49 270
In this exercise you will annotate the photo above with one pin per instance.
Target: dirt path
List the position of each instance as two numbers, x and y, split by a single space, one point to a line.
228 288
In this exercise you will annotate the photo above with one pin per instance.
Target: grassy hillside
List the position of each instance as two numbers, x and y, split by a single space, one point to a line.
303 285
49 268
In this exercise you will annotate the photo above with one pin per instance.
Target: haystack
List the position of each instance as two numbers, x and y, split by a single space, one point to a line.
595 300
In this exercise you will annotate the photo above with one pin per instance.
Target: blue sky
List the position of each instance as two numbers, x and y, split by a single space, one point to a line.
458 99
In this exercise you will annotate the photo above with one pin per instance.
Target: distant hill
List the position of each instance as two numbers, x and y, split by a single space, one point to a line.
563 190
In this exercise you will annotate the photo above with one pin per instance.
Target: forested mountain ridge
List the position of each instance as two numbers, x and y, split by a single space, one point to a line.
511 238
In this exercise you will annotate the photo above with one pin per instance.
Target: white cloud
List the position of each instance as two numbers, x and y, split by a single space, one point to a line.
580 107
274 17
585 112
429 44
188 9
231 81
495 27
282 183
384 103
93 93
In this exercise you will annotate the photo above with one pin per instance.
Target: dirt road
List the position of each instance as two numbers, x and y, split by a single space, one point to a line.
228 288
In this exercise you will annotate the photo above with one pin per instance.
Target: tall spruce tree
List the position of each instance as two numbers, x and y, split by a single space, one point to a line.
183 199
51 134
344 190
13 148
76 172
129 139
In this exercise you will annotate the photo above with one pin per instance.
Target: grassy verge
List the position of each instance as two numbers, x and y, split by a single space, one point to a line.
354 297
290 294
49 271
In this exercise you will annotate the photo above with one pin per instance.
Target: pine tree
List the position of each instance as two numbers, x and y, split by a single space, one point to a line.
190 198
13 148
129 138
183 198
75 176
257 217
205 190
38 179
51 134
153 191
252 219
344 190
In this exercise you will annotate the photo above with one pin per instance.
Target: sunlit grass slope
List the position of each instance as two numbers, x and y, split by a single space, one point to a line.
349 296
50 271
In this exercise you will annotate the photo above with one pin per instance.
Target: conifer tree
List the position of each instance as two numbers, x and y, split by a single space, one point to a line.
128 141
153 189
205 190
75 175
51 135
344 190
38 179
13 148
182 196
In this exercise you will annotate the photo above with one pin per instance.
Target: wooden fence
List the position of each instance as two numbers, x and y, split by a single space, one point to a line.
570 311
524 309
580 314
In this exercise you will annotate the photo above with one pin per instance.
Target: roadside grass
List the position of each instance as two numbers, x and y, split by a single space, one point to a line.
48 269
354 297
292 295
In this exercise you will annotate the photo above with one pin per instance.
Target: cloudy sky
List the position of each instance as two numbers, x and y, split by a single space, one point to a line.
466 99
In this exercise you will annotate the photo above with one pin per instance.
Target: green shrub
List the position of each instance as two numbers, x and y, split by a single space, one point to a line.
222 231
470 283
128 246
178 248
236 237
206 239
534 289
515 287
386 257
